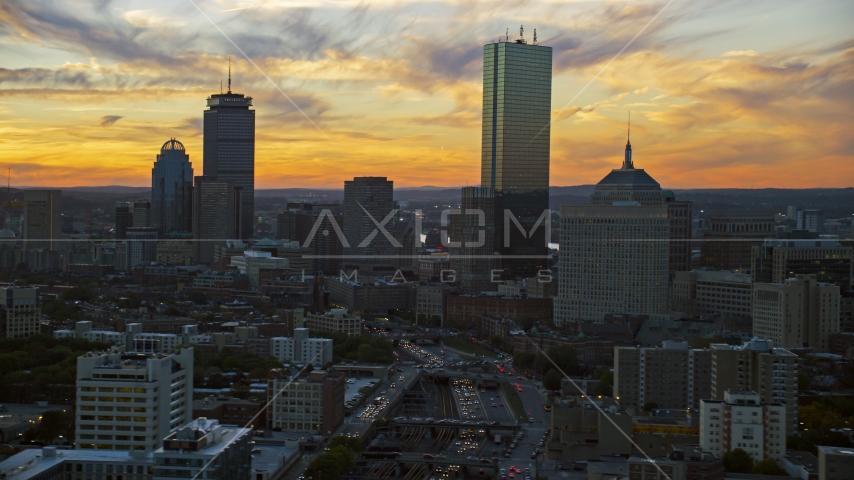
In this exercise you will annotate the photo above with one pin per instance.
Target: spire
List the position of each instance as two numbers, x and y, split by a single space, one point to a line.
229 74
627 163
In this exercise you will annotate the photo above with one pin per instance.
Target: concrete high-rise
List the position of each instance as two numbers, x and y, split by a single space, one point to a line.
124 220
368 203
472 241
20 312
215 203
172 190
614 254
229 150
141 214
671 376
800 312
771 372
517 91
779 259
131 401
43 219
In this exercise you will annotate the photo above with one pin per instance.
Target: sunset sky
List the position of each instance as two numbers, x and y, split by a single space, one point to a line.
753 93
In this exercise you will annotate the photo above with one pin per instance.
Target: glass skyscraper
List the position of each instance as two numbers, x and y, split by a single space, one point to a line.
517 90
229 150
172 190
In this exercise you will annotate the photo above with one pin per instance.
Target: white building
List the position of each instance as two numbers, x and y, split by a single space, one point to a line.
253 261
801 312
21 311
135 339
201 441
302 349
741 421
130 401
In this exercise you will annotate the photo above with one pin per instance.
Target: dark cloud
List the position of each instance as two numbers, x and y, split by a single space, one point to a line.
108 120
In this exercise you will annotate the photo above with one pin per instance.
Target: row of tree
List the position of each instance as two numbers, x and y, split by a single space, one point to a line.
340 457
739 461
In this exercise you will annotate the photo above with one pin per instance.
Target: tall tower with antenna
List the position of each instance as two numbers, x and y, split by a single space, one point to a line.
515 158
229 151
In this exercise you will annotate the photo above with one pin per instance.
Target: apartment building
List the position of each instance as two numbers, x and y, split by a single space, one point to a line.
310 403
835 463
800 312
742 421
301 349
335 320
758 367
671 376
129 400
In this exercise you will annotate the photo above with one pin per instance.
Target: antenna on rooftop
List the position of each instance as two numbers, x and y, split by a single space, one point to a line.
507 35
535 36
629 136
229 74
521 32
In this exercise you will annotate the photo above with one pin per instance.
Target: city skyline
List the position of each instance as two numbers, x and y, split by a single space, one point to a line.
718 95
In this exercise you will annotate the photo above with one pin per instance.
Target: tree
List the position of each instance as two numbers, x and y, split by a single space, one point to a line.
565 358
526 322
650 406
552 380
737 461
804 382
77 294
351 443
768 467
525 360
605 387
197 297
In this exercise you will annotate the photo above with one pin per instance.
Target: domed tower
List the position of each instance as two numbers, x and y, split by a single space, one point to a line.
171 190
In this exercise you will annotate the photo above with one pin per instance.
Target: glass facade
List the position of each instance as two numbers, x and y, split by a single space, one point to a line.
229 150
171 190
517 88
373 195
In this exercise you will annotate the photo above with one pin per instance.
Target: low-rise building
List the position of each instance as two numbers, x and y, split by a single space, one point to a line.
253 261
835 463
335 320
311 403
463 308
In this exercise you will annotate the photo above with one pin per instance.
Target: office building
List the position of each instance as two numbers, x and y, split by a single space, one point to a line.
141 246
517 92
680 214
124 218
742 420
311 403
835 463
671 376
253 262
799 312
224 451
811 220
229 152
131 401
712 293
172 190
769 371
614 259
21 311
214 219
471 242
779 259
370 294
335 320
728 242
430 303
141 214
42 219
301 219
614 254
368 200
